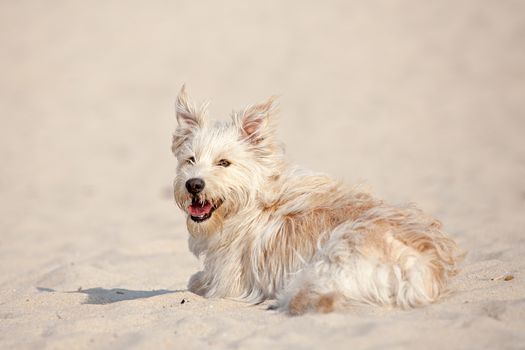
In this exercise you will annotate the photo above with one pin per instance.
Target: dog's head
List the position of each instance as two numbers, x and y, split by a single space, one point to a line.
222 166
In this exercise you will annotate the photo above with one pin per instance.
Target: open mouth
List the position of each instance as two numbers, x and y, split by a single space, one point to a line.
201 210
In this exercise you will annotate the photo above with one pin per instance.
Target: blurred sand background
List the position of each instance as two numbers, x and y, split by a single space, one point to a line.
422 101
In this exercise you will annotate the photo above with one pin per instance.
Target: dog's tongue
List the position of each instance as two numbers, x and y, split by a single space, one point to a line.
199 209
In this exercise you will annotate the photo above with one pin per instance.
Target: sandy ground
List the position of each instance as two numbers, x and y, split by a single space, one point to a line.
422 101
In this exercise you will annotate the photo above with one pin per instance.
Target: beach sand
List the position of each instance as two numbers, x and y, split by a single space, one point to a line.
420 102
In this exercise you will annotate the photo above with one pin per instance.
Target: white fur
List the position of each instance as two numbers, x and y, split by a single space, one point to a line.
283 232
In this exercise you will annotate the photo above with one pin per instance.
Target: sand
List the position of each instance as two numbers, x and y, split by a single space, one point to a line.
422 101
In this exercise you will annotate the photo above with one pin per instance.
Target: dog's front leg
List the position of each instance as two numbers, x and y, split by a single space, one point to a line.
198 284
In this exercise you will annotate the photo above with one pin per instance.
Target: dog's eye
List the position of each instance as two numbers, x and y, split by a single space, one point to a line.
223 163
190 160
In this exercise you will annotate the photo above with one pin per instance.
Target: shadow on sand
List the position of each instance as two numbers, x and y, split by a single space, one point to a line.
108 296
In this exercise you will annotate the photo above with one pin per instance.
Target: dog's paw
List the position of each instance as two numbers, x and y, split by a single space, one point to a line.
197 285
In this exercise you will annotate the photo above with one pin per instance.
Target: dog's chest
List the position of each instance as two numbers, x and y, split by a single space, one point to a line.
259 256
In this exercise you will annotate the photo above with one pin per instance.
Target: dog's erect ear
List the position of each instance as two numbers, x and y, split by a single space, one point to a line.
255 122
189 118
187 114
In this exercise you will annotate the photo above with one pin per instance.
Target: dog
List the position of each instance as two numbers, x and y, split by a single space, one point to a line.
269 230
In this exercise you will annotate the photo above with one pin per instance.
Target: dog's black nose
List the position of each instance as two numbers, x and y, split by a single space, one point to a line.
195 185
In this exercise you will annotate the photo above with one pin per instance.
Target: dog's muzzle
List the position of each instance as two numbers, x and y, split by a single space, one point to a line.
201 210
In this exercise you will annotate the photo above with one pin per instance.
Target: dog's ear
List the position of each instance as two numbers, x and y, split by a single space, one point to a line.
189 118
256 122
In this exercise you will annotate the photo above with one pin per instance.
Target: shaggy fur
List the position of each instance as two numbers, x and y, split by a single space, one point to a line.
267 229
